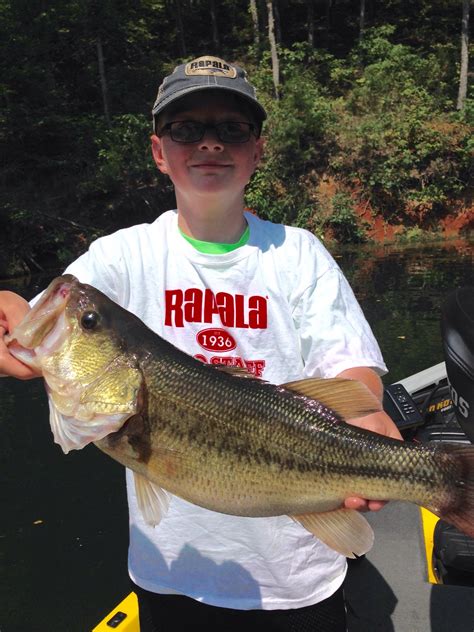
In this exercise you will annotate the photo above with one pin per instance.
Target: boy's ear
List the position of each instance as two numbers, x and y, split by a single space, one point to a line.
157 152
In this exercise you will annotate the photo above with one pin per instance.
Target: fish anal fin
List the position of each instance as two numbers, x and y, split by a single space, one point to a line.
348 398
344 530
152 500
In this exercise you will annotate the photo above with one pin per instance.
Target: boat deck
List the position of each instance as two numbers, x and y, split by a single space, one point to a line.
388 590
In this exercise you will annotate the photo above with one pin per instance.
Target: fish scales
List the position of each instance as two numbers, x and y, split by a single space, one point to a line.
227 426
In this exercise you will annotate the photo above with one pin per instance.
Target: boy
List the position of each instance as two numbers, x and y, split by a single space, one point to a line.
278 305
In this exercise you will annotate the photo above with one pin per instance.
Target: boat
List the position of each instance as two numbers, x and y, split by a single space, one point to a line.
419 576
124 617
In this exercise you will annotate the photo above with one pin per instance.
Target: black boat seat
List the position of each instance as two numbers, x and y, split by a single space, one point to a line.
457 326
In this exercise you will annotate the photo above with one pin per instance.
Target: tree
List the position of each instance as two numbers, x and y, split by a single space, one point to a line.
179 26
310 6
103 80
215 30
273 48
464 55
361 18
276 15
256 32
329 8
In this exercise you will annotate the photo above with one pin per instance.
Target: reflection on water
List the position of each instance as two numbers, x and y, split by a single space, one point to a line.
401 291
63 537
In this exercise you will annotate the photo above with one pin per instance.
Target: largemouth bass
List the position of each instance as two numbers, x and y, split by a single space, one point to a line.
226 442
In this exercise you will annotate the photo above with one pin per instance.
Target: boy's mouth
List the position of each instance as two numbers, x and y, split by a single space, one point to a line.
214 165
211 163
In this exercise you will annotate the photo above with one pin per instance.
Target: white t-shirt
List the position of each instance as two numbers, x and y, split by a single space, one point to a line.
279 306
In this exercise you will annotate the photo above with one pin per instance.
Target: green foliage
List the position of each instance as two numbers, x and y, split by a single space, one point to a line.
466 115
299 137
373 113
396 139
343 222
414 234
124 157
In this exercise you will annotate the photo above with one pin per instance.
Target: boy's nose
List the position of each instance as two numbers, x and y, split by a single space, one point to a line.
210 141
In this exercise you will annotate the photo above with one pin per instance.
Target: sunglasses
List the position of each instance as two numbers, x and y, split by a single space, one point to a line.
193 131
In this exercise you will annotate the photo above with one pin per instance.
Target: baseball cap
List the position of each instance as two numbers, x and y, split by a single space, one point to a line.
204 73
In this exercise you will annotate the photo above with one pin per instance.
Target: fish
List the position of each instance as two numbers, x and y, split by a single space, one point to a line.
220 438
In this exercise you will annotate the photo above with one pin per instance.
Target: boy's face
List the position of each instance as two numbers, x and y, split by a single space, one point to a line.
207 167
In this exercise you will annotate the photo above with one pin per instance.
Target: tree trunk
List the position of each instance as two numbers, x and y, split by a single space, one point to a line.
329 14
215 30
464 55
310 5
361 19
103 80
276 15
273 48
256 30
179 26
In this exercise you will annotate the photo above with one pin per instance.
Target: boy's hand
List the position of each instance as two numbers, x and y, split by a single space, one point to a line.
13 309
378 422
382 424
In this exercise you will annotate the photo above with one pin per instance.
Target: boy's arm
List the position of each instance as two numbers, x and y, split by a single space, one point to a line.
378 422
12 310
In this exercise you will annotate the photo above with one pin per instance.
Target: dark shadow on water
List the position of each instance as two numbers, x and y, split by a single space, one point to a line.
63 523
370 600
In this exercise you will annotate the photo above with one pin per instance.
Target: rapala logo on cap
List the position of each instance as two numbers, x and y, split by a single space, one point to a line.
210 66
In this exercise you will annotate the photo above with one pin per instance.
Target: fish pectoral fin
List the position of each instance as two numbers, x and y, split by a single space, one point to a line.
348 398
235 371
152 500
344 530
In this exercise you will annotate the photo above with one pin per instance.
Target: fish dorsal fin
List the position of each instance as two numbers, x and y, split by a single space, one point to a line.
152 500
344 530
348 398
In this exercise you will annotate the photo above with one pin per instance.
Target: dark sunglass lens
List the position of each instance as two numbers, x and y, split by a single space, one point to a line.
233 132
193 131
187 131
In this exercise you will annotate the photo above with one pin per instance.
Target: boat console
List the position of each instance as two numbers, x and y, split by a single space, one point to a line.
437 405
453 552
457 325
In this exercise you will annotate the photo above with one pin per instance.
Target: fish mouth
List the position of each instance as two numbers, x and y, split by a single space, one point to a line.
44 328
43 342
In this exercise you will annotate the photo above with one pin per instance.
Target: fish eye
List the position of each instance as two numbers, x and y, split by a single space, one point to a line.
89 320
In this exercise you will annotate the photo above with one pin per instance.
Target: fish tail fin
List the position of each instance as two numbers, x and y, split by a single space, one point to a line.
460 512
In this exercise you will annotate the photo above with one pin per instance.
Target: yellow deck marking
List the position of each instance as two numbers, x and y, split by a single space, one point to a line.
429 521
128 606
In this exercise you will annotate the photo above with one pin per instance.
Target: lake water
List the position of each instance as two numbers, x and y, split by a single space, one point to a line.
64 531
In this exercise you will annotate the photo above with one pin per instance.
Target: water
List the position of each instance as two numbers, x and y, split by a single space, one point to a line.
401 291
63 532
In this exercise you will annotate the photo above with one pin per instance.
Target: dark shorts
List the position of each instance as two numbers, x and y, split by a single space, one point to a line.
163 613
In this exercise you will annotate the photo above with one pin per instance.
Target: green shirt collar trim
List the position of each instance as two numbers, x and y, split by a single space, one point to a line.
212 248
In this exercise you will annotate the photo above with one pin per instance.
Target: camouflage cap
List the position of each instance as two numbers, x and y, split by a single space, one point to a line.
204 73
